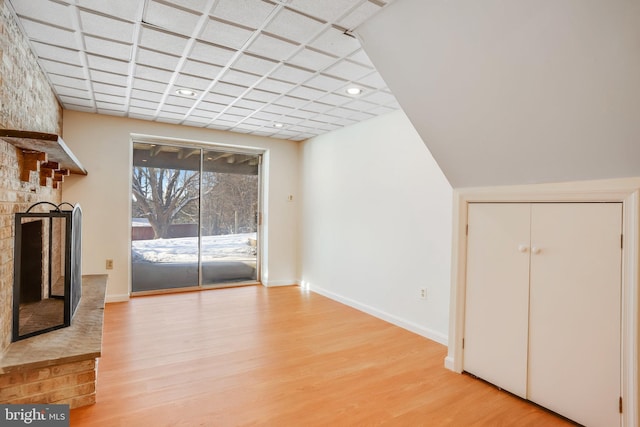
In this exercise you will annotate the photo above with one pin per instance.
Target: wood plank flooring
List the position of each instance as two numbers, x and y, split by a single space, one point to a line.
254 356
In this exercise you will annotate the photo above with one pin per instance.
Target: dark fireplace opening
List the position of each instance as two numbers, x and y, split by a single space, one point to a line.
47 269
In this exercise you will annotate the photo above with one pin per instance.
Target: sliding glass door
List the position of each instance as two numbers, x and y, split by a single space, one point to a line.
194 217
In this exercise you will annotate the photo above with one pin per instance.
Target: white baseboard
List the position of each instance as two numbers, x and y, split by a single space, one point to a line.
405 324
116 298
449 364
274 283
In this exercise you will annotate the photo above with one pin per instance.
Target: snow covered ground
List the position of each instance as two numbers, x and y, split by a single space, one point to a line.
232 247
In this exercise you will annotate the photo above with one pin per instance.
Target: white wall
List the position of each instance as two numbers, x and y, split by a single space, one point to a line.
516 92
376 223
102 144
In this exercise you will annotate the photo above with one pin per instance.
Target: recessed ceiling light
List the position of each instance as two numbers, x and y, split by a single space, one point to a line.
354 91
278 125
186 92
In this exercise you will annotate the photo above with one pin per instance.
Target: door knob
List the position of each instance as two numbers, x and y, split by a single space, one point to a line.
523 248
535 250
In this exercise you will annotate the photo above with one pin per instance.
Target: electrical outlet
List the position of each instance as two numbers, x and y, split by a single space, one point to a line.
109 264
423 293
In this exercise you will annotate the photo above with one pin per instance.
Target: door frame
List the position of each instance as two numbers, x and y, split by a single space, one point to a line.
625 191
262 205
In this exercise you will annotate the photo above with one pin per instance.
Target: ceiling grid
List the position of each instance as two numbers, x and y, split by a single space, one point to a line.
274 68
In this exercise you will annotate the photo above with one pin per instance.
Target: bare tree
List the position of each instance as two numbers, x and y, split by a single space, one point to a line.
163 195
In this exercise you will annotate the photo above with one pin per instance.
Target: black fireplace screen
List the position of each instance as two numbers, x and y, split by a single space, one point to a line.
47 269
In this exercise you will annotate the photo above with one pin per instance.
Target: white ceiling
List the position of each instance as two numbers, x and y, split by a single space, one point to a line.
516 92
252 63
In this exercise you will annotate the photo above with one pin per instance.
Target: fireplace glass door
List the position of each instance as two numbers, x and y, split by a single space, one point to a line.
194 217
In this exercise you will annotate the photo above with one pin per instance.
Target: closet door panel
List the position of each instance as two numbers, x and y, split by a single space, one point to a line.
574 328
496 312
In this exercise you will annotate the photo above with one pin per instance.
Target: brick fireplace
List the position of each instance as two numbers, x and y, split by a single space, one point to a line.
27 102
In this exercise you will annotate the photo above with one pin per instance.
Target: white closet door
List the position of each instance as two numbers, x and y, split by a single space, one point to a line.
496 313
574 328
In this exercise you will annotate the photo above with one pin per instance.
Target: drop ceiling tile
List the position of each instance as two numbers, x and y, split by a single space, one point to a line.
196 121
105 97
149 85
170 120
70 91
109 78
348 70
328 10
191 82
294 26
240 78
218 126
162 41
210 107
142 103
250 13
272 47
57 79
220 98
155 74
273 85
145 94
169 117
359 15
82 108
247 103
107 64
124 9
211 54
194 5
198 68
49 34
292 73
231 118
110 28
174 19
257 122
109 48
109 106
265 115
373 80
277 109
157 59
325 83
262 133
289 121
71 100
292 101
141 113
317 107
110 89
360 105
312 59
334 99
182 101
342 112
262 95
334 42
225 34
244 112
307 93
254 64
57 53
229 89
177 109
46 11
380 97
62 68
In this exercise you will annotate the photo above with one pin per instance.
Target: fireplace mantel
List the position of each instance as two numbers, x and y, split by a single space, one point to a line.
45 153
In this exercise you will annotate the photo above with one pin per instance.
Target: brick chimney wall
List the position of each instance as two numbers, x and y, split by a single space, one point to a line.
27 102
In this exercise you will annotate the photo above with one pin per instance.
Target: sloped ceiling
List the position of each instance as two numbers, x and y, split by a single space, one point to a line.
513 92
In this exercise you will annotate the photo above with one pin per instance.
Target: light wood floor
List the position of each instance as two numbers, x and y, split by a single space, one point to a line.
280 357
